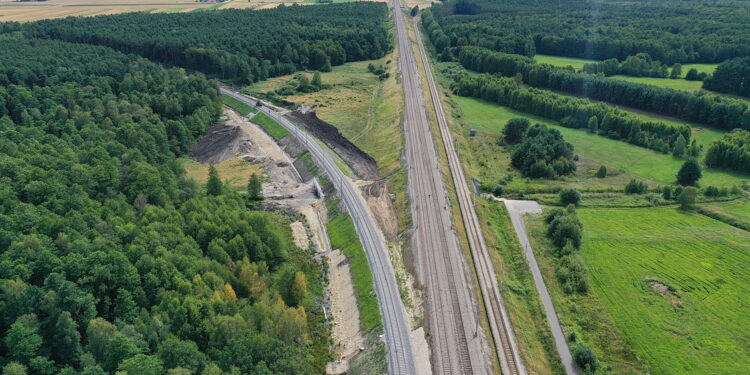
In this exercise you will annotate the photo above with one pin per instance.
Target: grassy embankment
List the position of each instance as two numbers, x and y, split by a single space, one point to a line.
242 108
698 325
268 124
234 172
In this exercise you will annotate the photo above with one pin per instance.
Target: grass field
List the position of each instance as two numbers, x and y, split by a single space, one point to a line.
697 323
365 109
737 210
233 171
489 119
344 237
701 68
678 84
577 64
173 10
241 107
270 125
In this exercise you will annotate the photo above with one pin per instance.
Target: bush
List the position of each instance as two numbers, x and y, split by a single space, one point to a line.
711 191
585 358
602 172
635 187
687 197
666 192
515 129
689 173
570 196
572 274
565 229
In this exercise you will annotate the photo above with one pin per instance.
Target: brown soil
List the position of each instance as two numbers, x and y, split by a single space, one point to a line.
379 200
222 142
360 162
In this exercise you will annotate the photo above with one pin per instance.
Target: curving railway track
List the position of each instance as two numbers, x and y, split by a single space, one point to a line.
397 341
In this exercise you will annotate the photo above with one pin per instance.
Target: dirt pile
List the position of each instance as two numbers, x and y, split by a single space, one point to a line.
360 162
222 142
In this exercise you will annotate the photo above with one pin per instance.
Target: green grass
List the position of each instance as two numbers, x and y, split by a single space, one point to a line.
705 68
678 84
173 10
489 119
701 327
242 108
737 210
271 127
344 237
563 61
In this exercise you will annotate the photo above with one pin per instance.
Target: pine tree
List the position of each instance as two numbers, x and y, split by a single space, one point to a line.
679 146
254 188
214 185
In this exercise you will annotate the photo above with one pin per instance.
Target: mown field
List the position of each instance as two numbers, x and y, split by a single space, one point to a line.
737 210
632 161
675 284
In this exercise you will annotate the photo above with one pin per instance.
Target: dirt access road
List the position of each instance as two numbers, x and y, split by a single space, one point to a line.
516 209
449 353
454 325
397 338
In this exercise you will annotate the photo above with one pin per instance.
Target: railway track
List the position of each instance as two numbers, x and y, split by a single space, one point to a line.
453 319
397 340
500 328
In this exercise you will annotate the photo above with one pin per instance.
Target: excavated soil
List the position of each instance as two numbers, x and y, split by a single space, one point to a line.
360 162
222 142
379 200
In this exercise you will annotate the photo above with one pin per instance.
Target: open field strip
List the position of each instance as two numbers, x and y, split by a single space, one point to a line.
653 166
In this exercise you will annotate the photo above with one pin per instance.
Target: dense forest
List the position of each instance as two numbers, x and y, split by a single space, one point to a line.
243 45
731 77
731 151
669 31
700 107
111 259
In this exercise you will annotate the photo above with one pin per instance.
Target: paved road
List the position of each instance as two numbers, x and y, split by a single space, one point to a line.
516 209
398 346
458 346
500 328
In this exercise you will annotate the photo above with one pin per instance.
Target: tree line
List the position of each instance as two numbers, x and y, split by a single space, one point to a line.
700 107
731 77
731 151
571 111
670 32
241 45
111 257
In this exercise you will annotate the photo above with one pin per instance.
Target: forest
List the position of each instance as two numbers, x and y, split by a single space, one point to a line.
731 77
111 258
245 46
670 32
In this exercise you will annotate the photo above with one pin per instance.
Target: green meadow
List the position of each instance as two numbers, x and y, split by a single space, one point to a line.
576 63
678 84
489 119
676 285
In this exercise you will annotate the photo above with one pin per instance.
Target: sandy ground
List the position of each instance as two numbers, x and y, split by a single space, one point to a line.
300 235
346 333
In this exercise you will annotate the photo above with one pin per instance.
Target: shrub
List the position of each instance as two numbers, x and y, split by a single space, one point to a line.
687 197
711 191
572 274
566 229
635 187
602 172
585 358
666 192
515 129
689 173
570 196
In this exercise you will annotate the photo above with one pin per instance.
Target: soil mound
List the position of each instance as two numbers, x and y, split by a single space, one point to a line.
360 162
222 142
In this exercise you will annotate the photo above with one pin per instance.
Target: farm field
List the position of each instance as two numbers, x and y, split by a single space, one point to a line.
489 119
738 210
675 284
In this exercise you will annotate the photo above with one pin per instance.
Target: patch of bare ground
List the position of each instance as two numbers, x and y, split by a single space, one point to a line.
346 335
360 162
222 142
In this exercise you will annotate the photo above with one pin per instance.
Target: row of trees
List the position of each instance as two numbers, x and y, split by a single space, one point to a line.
640 65
700 107
111 258
731 151
243 45
571 112
669 32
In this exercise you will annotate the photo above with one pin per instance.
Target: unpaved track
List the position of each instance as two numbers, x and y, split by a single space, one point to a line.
516 209
397 340
455 338
500 329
